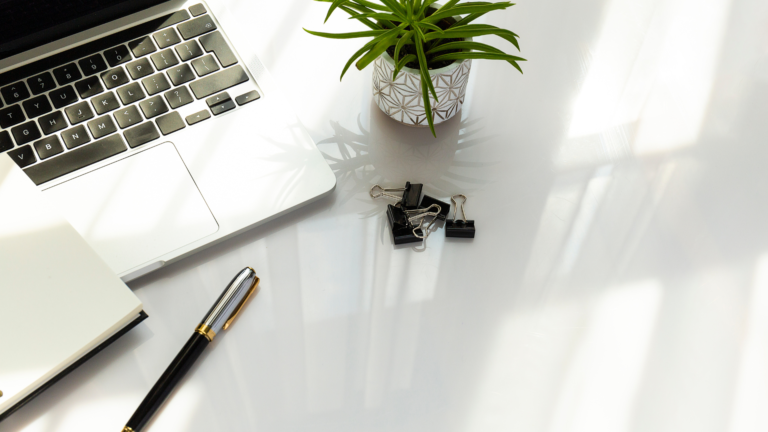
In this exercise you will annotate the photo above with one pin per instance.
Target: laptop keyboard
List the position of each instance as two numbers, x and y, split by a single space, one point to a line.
68 117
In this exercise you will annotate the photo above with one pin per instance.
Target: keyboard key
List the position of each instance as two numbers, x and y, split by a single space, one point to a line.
181 74
198 117
15 93
67 74
179 97
114 77
128 116
5 141
219 98
102 126
75 137
142 47
166 38
52 122
156 84
63 97
153 107
214 42
37 106
11 116
47 147
140 68
79 113
223 107
164 59
141 134
89 87
92 65
197 9
23 156
76 159
26 133
131 93
196 27
176 18
41 83
105 103
219 81
247 97
189 50
170 123
206 65
117 55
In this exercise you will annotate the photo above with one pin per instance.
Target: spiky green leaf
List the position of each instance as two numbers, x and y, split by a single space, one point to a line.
351 35
427 103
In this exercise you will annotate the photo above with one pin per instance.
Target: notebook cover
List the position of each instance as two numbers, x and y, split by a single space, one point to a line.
142 316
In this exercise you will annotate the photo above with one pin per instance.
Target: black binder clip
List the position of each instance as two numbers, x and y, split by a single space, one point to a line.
420 214
460 228
402 230
445 208
411 196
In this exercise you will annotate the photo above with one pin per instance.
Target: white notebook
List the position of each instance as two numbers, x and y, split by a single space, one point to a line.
59 302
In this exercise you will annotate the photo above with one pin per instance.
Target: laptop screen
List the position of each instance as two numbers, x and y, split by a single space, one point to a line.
31 23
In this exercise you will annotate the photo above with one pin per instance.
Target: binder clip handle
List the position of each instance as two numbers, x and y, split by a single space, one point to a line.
456 207
378 192
420 215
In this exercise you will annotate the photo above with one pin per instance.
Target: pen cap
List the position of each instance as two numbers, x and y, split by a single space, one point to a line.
231 301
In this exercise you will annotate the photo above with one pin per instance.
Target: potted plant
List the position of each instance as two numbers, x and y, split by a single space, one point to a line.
421 52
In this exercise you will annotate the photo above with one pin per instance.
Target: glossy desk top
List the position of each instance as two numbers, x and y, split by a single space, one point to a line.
618 281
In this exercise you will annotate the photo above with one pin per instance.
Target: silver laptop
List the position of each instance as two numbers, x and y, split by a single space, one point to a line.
151 130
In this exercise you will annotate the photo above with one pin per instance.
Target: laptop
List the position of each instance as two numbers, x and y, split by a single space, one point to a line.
152 132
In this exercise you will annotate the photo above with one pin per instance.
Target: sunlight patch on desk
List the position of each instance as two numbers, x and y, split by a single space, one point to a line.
751 391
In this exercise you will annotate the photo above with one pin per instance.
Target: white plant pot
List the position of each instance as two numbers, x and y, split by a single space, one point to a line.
402 99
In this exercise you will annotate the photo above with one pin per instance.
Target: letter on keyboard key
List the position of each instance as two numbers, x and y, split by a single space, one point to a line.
89 87
219 81
76 159
131 93
102 126
79 113
23 156
63 97
52 122
140 68
114 77
141 134
214 42
47 147
105 103
26 133
75 137
196 27
11 116
37 106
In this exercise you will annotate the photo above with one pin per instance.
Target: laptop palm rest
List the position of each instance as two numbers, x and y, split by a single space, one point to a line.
136 209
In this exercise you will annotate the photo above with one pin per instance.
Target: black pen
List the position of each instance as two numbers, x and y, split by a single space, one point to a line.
219 317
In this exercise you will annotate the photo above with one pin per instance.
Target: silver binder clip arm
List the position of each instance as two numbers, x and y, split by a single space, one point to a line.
382 192
456 207
420 215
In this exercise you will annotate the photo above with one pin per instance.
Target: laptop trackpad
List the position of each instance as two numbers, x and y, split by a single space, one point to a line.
137 209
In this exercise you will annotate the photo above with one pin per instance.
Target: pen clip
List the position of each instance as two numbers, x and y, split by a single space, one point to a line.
239 307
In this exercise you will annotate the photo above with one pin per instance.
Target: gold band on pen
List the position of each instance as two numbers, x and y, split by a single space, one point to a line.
127 429
206 331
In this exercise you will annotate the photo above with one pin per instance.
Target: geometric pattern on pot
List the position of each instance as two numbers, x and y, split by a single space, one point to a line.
402 99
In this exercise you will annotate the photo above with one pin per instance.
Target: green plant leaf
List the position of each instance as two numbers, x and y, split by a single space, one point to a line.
334 5
428 104
395 8
424 68
401 64
400 43
472 30
352 35
378 16
424 7
468 9
382 43
464 45
481 55
429 26
448 5
365 21
354 57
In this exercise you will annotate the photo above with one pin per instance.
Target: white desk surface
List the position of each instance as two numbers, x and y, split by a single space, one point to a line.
618 281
